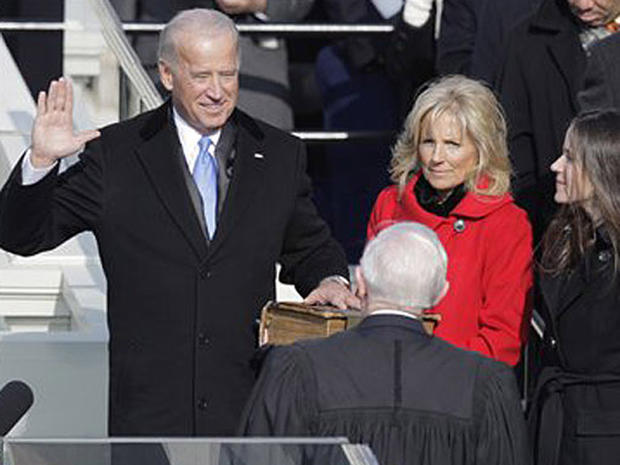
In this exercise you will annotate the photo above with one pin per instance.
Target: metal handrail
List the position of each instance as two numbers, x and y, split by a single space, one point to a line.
273 29
112 31
342 136
125 54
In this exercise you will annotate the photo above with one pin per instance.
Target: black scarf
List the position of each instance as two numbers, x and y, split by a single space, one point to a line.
430 200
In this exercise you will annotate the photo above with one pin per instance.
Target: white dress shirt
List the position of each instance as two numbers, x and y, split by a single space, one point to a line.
391 311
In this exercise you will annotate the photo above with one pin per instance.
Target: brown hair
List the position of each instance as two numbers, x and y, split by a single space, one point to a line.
594 139
472 104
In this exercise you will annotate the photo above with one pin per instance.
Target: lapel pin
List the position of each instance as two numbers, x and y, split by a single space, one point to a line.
259 155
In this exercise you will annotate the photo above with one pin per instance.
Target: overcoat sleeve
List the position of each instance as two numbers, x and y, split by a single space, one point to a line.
513 91
507 282
41 216
382 209
309 252
458 35
281 401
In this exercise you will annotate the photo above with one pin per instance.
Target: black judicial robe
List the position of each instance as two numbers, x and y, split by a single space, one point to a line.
414 398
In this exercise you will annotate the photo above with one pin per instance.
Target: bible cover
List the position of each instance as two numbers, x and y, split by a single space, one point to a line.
287 322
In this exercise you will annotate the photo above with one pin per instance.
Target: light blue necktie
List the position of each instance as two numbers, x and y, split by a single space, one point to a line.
205 176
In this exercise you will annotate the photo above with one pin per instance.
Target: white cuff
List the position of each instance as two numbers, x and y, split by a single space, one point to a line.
336 277
30 174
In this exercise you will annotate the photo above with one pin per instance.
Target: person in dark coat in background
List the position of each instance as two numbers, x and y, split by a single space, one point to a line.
601 88
367 83
191 205
472 35
413 398
575 411
541 76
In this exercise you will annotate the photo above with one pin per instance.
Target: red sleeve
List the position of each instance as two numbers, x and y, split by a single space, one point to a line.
507 281
382 214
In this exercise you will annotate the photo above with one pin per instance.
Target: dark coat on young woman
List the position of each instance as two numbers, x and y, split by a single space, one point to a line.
575 416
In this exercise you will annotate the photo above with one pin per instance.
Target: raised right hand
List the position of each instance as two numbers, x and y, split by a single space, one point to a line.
52 133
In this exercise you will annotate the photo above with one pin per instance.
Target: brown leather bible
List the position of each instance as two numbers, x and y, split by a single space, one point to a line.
287 322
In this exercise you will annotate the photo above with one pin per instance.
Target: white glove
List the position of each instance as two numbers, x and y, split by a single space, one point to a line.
417 12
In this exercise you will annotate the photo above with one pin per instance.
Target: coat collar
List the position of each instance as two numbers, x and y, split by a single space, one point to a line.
394 321
473 206
560 292
590 277
159 155
554 16
248 175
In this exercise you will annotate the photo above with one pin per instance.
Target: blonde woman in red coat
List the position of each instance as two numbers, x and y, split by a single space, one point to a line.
451 172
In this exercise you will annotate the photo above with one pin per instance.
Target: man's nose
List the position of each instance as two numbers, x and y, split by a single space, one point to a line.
582 4
214 89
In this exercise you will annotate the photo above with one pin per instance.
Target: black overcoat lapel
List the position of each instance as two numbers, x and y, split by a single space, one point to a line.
158 154
564 51
555 19
559 294
248 175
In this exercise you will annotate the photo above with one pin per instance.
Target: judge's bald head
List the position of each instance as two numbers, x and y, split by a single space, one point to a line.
404 267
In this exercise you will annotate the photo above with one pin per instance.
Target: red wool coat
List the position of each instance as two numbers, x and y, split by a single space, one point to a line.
489 245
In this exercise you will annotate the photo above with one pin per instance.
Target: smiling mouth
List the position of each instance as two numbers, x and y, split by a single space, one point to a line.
213 105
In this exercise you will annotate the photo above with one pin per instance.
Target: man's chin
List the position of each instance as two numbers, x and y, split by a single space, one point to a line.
216 120
591 21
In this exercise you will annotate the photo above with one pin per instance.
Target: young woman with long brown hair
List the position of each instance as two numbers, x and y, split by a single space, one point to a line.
575 415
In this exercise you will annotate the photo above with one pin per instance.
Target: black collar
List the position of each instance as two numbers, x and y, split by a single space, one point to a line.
430 200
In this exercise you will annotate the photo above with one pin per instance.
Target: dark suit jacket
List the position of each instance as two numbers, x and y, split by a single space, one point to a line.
538 86
601 88
181 312
415 399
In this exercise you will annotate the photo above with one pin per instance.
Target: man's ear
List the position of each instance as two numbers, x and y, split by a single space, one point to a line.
165 74
361 282
444 291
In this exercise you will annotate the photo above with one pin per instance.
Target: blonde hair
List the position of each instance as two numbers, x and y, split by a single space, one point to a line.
479 113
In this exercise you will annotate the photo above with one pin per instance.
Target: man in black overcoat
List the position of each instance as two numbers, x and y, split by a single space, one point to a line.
183 294
538 85
413 398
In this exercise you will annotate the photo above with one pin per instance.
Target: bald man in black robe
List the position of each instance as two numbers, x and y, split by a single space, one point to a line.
414 398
